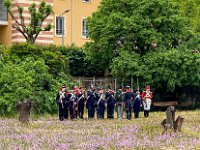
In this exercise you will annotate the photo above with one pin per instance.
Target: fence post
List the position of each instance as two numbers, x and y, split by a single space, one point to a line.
94 82
90 83
138 87
79 81
115 84
131 82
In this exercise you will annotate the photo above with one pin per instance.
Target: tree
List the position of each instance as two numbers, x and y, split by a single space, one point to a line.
80 64
31 71
136 27
191 9
167 70
96 60
37 17
28 78
51 54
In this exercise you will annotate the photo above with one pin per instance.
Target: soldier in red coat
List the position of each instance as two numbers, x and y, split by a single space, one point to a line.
147 100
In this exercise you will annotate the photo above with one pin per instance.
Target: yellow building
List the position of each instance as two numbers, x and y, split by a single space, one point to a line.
69 20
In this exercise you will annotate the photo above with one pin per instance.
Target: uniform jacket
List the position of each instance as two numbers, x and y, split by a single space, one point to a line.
61 97
146 94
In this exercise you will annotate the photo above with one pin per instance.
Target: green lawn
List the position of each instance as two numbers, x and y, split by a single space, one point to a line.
48 133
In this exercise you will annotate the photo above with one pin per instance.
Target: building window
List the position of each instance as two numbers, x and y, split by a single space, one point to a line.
60 25
86 1
84 28
3 12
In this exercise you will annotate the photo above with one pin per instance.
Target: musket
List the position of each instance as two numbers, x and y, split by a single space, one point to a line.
100 98
76 107
138 87
75 104
61 97
73 101
80 98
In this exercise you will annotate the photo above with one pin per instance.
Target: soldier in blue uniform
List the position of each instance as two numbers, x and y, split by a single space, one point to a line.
71 98
110 103
97 100
62 102
90 104
76 101
137 105
100 104
128 100
81 101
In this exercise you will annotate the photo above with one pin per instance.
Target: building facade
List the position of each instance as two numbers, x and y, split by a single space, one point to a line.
69 20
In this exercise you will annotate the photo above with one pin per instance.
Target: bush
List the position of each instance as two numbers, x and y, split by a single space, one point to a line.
166 69
31 71
51 54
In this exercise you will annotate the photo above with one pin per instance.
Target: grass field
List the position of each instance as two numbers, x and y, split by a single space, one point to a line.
48 133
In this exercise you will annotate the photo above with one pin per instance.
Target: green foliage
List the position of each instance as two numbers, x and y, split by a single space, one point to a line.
79 62
137 23
96 60
31 71
164 69
29 78
51 54
37 17
156 41
76 60
125 62
191 9
2 50
194 43
136 27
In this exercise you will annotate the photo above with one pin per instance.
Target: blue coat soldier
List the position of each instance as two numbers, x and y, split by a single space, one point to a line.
71 98
97 100
81 101
90 104
128 100
62 102
100 105
76 101
137 105
110 104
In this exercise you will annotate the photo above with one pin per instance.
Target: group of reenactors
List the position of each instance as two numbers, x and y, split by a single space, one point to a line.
71 103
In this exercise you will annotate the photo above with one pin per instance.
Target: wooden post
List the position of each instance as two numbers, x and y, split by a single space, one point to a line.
24 109
79 81
123 83
138 87
131 82
94 81
115 84
90 83
101 82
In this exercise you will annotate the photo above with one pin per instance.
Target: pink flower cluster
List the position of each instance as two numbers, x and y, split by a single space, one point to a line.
95 134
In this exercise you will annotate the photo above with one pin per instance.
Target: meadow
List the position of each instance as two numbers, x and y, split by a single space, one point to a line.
48 133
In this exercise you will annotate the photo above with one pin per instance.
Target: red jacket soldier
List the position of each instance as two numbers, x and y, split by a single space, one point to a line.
147 99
